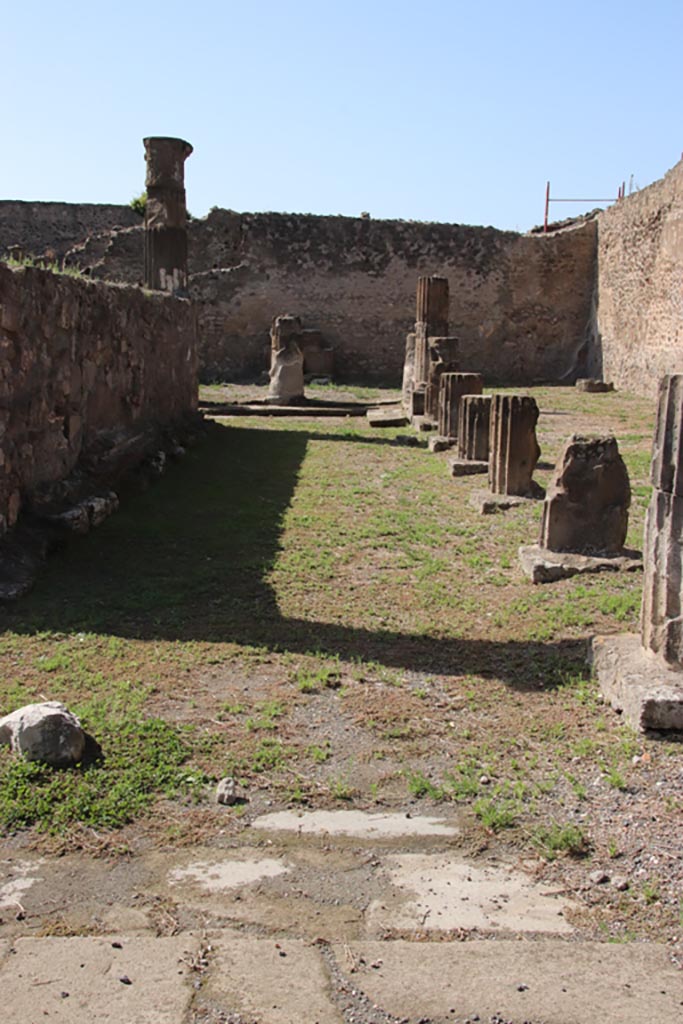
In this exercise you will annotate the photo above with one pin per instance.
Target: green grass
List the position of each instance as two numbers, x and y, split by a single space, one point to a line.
553 840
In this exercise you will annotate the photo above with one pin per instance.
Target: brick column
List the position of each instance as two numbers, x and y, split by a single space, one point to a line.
514 448
452 388
474 427
166 214
662 614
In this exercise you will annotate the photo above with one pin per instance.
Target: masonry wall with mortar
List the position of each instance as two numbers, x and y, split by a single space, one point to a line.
38 227
638 322
520 304
79 360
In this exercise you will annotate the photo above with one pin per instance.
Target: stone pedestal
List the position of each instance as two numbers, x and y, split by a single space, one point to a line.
452 388
514 448
166 214
287 361
644 678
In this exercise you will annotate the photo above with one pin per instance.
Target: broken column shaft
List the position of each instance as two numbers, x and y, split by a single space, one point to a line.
431 321
452 388
474 427
166 214
662 614
514 448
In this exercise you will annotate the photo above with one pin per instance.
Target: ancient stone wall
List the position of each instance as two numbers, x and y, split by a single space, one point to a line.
37 227
81 362
520 304
638 325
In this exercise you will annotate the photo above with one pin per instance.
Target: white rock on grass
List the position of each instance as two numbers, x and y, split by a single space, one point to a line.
46 732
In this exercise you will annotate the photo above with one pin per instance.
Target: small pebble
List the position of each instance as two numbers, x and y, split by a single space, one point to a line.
598 877
125 980
620 883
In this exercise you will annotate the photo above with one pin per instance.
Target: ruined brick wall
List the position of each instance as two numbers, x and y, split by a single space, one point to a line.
38 227
519 303
80 360
638 325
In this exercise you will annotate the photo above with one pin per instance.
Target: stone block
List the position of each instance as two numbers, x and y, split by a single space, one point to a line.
586 508
593 386
667 452
467 467
544 566
647 691
662 611
392 417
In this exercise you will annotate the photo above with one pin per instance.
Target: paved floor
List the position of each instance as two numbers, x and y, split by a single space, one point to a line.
343 918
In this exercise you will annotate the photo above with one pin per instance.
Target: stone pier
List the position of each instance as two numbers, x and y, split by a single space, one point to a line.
166 214
513 454
425 361
286 361
642 676
474 423
585 514
442 358
453 387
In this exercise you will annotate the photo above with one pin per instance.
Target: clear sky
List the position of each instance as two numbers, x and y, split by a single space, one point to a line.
425 110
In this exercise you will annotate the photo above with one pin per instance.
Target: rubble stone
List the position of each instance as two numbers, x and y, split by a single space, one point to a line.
45 732
586 508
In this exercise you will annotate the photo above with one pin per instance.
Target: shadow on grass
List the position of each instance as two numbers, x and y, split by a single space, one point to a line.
188 559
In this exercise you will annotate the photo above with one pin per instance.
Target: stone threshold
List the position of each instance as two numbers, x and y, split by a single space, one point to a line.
488 503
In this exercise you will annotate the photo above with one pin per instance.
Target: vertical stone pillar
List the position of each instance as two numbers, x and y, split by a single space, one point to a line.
166 214
431 321
443 358
662 614
408 372
514 448
474 428
286 361
452 388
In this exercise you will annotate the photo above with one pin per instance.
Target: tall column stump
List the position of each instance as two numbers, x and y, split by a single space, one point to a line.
166 214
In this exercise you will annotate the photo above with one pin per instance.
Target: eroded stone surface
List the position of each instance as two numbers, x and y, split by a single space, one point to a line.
586 507
221 875
442 357
166 214
440 893
355 823
392 417
141 980
548 980
271 981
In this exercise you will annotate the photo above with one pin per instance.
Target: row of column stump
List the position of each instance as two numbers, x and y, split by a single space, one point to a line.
585 512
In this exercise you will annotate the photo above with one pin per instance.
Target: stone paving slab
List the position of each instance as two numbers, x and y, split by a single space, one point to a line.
81 980
272 981
638 683
550 980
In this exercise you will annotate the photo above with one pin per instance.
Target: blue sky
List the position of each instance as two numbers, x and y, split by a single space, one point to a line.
428 110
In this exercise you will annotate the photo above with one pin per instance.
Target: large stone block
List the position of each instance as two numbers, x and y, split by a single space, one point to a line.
586 508
287 361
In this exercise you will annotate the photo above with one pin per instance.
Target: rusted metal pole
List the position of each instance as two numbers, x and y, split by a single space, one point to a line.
547 206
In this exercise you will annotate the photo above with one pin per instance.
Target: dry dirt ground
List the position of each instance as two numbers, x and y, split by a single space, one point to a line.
314 609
